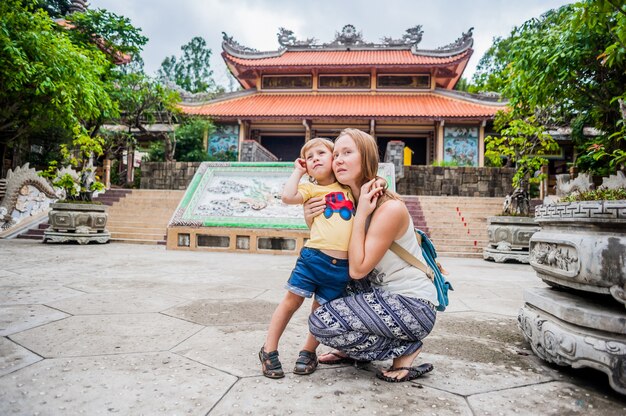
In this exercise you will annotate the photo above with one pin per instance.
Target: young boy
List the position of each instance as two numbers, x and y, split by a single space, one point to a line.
322 267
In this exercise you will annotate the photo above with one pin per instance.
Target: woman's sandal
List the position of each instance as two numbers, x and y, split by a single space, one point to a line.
342 359
306 363
413 373
272 368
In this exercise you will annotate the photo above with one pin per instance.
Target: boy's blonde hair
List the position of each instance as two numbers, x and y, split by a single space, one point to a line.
315 142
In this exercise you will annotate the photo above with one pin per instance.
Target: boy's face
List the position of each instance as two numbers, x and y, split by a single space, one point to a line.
319 161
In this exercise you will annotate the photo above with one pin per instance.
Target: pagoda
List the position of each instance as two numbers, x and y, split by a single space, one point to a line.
393 89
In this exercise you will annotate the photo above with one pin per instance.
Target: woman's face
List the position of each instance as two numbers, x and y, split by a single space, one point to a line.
346 161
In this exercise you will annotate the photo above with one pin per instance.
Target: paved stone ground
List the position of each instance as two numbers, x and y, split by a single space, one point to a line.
138 330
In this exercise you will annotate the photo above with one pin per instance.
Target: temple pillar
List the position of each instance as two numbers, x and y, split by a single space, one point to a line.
130 165
107 173
244 126
481 144
439 141
307 130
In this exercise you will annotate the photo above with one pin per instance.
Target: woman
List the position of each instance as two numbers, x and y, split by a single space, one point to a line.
395 306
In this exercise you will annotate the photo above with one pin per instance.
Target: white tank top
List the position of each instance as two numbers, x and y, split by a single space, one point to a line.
395 275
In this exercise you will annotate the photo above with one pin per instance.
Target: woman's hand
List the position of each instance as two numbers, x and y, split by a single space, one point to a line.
370 192
312 208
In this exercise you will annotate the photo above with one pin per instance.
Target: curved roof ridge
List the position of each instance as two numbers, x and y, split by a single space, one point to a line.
472 98
349 40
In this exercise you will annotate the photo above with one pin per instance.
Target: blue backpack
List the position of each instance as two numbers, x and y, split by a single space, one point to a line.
432 271
442 285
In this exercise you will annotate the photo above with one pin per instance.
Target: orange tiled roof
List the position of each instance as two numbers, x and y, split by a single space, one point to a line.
275 105
347 58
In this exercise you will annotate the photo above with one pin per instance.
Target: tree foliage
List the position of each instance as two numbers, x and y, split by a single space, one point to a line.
190 140
143 101
567 67
114 35
47 80
192 71
523 143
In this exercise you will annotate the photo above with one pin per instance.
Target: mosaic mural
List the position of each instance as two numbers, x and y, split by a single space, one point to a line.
244 194
460 146
224 139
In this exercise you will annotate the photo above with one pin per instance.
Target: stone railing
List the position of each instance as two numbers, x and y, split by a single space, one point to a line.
456 181
252 151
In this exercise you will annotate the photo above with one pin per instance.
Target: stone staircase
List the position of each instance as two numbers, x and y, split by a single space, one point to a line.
456 225
142 216
415 209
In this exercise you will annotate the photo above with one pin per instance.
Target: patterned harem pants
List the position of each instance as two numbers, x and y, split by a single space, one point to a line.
372 324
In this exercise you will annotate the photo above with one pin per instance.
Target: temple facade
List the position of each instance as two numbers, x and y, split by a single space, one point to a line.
393 89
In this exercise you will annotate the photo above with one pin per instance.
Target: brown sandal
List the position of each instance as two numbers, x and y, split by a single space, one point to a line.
306 363
272 368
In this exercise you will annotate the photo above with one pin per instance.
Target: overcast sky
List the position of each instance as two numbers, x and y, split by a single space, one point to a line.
169 24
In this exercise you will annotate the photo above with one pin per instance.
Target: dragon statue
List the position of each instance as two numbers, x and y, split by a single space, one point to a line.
23 193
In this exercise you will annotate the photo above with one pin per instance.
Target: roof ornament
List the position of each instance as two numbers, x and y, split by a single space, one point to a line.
413 36
79 6
348 36
462 41
287 38
236 45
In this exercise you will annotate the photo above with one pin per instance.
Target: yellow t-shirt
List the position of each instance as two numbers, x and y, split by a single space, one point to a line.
332 229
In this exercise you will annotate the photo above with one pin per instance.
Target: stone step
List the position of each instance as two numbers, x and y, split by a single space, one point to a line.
140 210
136 225
137 241
146 228
138 235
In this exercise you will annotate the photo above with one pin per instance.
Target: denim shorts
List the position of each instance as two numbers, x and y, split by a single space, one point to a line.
320 274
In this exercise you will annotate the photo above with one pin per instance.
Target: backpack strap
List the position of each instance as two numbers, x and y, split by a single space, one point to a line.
411 259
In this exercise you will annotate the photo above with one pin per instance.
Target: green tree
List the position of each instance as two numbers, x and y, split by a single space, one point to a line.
566 68
192 71
46 79
190 140
143 101
523 144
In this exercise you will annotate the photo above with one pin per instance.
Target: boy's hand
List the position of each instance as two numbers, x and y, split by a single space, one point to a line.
300 165
380 182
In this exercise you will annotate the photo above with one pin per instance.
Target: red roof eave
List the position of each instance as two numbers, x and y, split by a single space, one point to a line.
356 105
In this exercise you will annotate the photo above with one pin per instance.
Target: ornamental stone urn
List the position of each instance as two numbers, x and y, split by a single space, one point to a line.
580 321
582 245
509 237
82 223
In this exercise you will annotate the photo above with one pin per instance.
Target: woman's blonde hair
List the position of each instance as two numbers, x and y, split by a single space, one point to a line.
368 149
315 142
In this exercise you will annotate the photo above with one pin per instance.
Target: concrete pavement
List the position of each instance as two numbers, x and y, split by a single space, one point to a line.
138 330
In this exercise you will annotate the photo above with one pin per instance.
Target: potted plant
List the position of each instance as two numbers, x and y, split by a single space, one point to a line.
522 143
76 217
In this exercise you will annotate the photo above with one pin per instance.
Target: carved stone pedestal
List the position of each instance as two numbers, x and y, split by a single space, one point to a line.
509 238
582 245
577 330
82 223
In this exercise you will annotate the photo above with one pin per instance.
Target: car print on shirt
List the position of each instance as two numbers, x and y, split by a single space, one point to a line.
337 202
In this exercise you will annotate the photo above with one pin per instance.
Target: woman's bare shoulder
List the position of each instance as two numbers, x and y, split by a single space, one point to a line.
392 212
392 207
